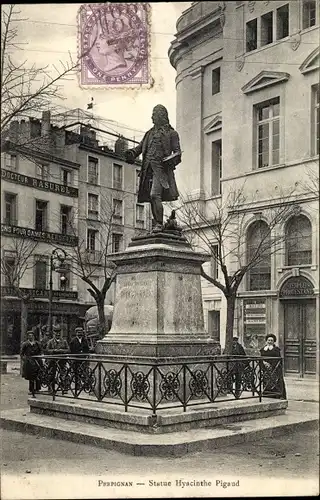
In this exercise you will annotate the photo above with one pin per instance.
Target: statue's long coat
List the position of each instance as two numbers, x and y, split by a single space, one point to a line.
170 144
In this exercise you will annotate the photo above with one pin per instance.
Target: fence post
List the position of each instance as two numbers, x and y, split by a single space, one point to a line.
99 381
184 388
260 380
125 387
55 371
154 392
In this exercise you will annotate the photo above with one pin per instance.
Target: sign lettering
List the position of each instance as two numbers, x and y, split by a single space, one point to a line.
296 286
33 182
39 293
26 232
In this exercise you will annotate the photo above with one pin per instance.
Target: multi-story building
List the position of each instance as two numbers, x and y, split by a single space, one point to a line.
248 115
60 189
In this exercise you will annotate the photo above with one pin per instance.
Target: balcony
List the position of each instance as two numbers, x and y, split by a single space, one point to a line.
44 236
39 293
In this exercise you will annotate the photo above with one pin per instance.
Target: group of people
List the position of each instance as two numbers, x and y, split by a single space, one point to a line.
272 371
53 346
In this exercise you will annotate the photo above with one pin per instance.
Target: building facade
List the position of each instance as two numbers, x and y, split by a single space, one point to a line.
248 117
60 189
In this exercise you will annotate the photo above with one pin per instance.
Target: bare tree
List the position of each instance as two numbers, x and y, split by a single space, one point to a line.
17 259
27 88
223 236
89 259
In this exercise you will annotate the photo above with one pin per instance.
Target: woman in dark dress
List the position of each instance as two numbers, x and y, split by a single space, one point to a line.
273 381
31 366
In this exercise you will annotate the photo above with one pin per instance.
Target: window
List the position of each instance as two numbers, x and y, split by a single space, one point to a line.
41 215
251 35
117 176
116 242
298 241
92 240
268 133
65 177
215 81
266 29
42 171
258 254
283 22
214 262
65 216
11 162
216 167
117 211
93 206
315 119
308 13
139 214
10 201
40 274
214 324
93 170
9 270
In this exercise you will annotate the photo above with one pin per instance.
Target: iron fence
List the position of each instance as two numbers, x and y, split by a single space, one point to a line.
157 385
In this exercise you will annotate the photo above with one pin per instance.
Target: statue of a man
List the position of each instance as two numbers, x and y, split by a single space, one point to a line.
160 148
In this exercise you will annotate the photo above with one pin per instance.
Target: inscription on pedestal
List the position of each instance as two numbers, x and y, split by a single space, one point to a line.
135 307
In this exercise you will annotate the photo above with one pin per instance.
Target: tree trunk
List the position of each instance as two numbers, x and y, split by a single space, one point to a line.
231 302
101 315
24 320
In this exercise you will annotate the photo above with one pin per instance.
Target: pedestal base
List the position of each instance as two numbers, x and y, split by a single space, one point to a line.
156 348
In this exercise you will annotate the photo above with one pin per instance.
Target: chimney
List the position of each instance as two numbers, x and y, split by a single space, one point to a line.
45 123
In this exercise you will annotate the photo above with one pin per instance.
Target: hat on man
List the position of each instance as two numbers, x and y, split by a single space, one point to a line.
57 328
235 339
79 329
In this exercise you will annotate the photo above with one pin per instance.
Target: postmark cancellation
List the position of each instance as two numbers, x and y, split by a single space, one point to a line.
114 45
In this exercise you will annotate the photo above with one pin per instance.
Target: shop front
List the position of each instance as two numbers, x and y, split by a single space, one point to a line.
68 315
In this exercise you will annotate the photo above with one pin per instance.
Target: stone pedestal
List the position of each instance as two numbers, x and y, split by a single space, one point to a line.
158 305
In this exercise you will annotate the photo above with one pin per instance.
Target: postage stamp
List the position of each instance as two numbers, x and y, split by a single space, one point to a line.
114 45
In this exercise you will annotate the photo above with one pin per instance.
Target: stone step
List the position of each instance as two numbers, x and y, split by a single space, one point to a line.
173 444
168 419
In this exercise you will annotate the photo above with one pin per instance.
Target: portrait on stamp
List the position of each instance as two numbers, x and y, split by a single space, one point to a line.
114 44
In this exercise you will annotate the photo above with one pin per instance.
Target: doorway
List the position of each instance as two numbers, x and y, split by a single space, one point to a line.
300 337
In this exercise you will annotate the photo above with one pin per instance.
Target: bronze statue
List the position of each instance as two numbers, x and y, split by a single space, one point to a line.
161 153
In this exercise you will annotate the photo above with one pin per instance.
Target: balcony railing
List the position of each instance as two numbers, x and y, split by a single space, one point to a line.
158 385
92 256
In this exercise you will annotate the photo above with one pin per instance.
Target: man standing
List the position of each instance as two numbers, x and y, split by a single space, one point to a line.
57 346
79 345
236 368
161 153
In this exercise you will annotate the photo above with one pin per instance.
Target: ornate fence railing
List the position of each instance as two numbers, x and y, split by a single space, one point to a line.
158 385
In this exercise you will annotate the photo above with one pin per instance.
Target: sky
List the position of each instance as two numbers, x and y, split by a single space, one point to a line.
50 31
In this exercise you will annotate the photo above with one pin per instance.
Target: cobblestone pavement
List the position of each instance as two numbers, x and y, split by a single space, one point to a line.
28 459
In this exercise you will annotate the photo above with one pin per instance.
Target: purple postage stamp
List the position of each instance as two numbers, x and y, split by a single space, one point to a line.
114 46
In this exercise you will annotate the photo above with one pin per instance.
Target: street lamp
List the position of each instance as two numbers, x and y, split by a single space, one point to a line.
57 258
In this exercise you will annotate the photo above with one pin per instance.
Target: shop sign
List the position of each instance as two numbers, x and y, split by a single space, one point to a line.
8 291
33 182
46 236
255 312
296 286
